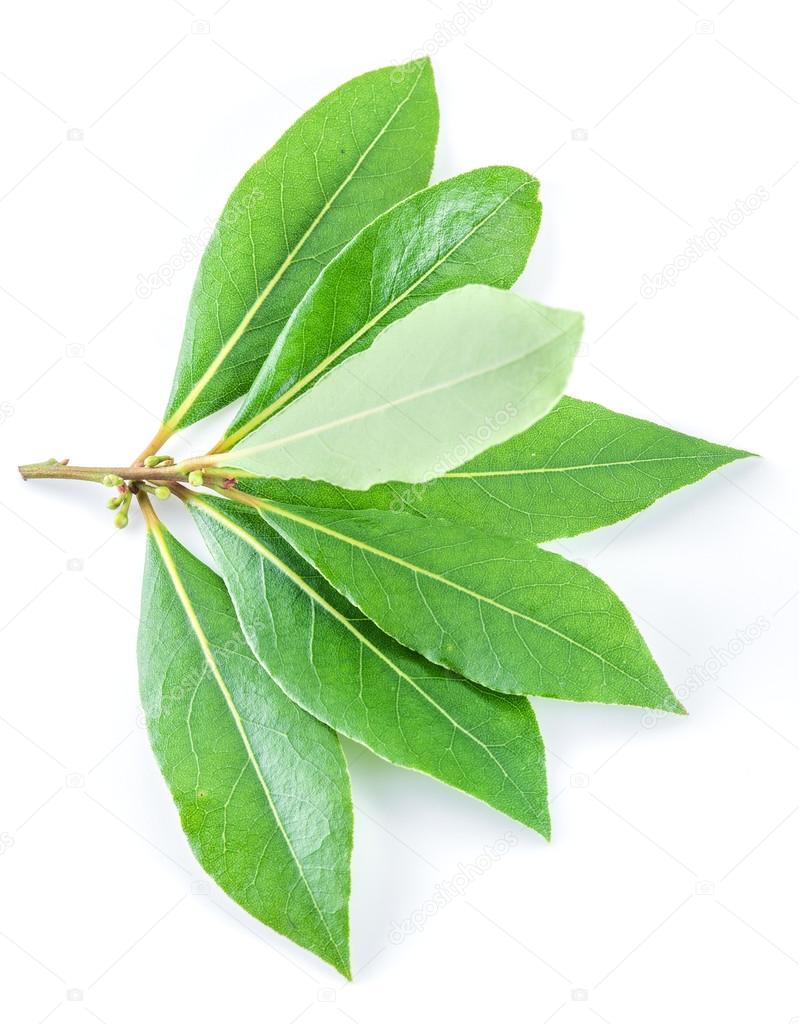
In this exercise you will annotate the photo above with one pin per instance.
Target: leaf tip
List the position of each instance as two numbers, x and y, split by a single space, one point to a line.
740 453
538 818
422 65
676 707
340 960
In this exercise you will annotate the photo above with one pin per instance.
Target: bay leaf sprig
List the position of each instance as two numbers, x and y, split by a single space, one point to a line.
375 508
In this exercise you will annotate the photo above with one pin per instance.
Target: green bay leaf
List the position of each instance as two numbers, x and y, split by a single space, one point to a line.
579 468
502 612
364 147
456 375
261 786
349 674
477 228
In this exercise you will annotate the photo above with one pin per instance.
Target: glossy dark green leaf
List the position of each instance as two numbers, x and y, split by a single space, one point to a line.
477 228
357 152
580 467
502 612
347 673
261 786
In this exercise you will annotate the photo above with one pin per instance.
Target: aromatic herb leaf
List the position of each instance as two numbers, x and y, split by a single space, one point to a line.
502 612
261 786
343 670
456 375
477 228
361 149
580 467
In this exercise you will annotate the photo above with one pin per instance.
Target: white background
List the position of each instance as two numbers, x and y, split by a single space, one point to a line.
670 888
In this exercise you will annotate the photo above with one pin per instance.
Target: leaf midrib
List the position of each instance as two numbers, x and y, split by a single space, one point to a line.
173 422
317 598
576 468
205 647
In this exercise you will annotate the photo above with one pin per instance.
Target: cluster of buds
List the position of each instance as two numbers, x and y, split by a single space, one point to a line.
120 501
127 488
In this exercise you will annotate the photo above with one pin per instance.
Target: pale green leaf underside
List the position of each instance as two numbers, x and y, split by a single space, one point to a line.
347 673
500 611
261 786
458 374
579 468
362 148
477 228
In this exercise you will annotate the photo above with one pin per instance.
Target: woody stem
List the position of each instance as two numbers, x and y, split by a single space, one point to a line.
53 470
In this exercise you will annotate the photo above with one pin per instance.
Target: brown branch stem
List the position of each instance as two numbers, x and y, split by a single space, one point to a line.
53 470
